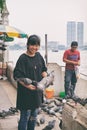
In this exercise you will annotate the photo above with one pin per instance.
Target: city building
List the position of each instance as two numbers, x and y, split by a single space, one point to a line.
75 32
80 33
71 32
53 45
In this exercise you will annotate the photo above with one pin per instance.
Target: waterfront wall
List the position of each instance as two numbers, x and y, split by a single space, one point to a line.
58 85
10 74
58 78
81 87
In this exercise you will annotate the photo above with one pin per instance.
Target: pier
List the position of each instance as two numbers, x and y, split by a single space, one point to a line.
8 92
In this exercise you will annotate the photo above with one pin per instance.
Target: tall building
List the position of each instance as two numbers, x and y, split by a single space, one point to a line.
71 32
80 33
75 32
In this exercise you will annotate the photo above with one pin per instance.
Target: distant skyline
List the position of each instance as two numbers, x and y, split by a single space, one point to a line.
47 17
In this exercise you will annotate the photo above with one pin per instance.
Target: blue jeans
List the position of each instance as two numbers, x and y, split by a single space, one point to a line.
70 82
27 119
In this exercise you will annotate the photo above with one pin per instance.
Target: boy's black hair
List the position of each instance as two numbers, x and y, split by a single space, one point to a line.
33 40
74 43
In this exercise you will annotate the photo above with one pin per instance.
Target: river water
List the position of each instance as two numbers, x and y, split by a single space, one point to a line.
53 57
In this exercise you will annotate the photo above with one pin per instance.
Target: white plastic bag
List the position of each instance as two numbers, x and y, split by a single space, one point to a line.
77 72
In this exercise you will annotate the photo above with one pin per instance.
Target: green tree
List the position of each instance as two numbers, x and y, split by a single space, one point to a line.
1 5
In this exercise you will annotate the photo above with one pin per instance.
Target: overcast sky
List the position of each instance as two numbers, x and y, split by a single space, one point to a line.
47 16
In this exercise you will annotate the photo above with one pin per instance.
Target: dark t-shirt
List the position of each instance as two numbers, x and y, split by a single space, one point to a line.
72 56
29 67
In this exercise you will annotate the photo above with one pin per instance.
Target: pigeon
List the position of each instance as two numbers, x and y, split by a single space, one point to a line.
42 120
60 124
50 126
43 84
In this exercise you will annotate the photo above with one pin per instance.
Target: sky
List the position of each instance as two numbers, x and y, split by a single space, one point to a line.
47 17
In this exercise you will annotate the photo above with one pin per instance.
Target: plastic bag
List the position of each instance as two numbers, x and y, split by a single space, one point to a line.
77 72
